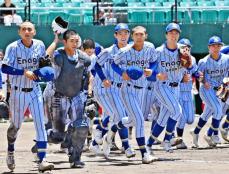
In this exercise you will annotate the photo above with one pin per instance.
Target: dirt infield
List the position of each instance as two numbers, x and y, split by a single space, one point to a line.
191 161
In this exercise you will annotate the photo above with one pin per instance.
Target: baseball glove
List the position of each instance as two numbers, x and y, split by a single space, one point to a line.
44 61
223 93
185 56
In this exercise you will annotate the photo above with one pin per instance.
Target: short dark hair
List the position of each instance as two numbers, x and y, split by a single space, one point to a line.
69 33
139 28
88 43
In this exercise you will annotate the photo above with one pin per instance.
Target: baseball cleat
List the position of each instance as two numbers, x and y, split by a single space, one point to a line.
195 139
98 136
130 153
167 146
106 147
95 149
149 150
10 161
182 146
175 141
224 133
208 139
147 158
45 166
215 139
77 164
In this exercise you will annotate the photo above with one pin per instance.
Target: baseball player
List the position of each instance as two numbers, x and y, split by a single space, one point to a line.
70 66
21 58
140 55
4 76
224 129
214 68
2 97
111 88
170 74
186 100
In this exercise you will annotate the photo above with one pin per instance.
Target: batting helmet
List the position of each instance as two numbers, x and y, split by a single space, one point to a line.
4 110
44 74
215 40
185 41
134 72
173 26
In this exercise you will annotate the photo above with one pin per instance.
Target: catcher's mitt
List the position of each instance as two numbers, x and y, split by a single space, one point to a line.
223 93
185 56
44 61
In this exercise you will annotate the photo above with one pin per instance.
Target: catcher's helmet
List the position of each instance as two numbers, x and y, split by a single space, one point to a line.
4 110
44 74
134 72
173 26
215 40
185 42
59 25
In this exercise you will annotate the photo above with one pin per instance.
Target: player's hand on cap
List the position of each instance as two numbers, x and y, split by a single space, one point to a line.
207 85
125 76
148 72
186 78
2 96
106 83
162 76
30 75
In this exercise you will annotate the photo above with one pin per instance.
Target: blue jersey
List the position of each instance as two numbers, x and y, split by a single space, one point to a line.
21 57
169 63
128 56
188 86
214 70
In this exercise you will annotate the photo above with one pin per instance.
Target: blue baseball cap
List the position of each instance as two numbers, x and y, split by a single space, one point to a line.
185 41
215 40
173 26
121 26
134 72
44 74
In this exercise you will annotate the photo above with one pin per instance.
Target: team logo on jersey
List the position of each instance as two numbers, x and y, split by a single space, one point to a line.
142 63
22 61
217 72
171 66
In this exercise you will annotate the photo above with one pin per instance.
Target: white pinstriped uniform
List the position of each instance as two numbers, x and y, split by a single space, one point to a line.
186 100
214 73
112 93
168 62
21 57
149 103
131 95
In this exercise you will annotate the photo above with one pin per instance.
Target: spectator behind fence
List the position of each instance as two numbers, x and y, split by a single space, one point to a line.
10 16
110 19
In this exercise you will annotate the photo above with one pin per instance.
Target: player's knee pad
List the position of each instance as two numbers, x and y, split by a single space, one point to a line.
58 121
79 134
12 133
55 137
